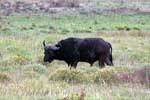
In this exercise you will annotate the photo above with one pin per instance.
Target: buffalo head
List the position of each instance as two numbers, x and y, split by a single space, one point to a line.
49 52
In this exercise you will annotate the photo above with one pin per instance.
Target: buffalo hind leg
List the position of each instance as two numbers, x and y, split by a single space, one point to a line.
101 63
108 62
70 66
74 65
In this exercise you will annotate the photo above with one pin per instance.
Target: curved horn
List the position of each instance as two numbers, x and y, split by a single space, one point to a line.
44 43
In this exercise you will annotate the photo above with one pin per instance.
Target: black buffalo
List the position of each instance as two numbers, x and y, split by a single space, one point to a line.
74 50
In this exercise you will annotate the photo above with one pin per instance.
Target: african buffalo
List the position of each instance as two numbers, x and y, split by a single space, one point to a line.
74 50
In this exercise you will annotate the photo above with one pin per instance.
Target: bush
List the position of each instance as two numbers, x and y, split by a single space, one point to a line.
136 28
105 76
126 28
15 60
70 76
33 70
4 77
18 59
36 68
39 58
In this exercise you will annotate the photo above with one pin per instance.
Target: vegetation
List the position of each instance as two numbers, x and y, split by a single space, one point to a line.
24 75
73 24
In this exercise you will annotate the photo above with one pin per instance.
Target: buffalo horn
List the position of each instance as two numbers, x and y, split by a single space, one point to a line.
44 43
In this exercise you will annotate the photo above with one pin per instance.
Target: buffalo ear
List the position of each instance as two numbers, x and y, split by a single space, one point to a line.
44 43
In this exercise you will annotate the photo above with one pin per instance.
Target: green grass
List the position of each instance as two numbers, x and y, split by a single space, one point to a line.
23 76
72 23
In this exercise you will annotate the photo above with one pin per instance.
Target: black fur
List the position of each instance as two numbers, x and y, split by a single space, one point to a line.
74 50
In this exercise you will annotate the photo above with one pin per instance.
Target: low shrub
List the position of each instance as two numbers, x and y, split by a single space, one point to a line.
24 28
18 59
70 76
126 28
105 76
64 31
136 28
15 60
35 68
4 77
39 58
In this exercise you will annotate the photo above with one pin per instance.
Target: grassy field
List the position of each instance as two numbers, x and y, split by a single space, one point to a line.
55 23
24 77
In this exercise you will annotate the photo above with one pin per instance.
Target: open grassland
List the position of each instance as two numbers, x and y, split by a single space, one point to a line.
24 76
55 23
